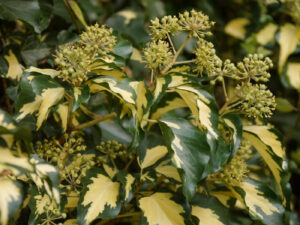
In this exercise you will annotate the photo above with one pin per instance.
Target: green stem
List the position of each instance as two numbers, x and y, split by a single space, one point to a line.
171 43
188 37
224 89
95 121
70 114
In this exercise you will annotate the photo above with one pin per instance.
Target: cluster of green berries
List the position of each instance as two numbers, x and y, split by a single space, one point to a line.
112 150
245 150
256 100
254 67
74 59
158 54
233 172
49 208
160 29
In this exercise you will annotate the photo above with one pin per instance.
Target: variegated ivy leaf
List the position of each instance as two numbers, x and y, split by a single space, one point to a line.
62 111
268 143
11 198
81 95
127 185
15 69
42 104
6 125
153 155
236 28
209 211
260 201
100 198
160 209
234 123
50 72
169 171
11 163
192 151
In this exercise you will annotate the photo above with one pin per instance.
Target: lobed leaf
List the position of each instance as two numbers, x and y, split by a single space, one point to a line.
15 69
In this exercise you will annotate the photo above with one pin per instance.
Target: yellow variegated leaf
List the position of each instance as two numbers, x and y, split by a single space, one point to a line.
206 216
128 187
111 172
8 138
118 74
159 209
293 74
62 111
269 146
31 107
169 171
256 201
50 97
45 201
236 28
223 197
72 200
136 55
18 165
153 155
11 198
289 37
77 11
177 81
50 72
141 100
14 68
128 15
266 34
71 222
100 193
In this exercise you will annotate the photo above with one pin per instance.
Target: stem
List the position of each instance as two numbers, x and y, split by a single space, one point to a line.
224 89
129 163
188 37
185 62
72 15
224 107
95 121
171 43
70 114
88 112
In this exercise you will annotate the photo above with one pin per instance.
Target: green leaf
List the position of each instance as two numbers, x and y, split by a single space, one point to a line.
99 198
260 201
81 95
234 123
29 11
283 105
191 151
209 210
11 196
268 143
127 181
160 209
77 11
123 48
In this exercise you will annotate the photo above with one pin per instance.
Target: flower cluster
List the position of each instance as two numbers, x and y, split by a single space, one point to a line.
256 100
245 150
160 29
74 60
157 54
294 6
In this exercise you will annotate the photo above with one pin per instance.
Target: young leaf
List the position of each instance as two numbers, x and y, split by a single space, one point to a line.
11 198
260 201
293 75
168 171
266 34
159 209
236 28
14 68
269 145
98 199
209 211
153 155
283 105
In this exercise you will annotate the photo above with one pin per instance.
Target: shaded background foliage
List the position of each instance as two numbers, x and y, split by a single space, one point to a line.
42 25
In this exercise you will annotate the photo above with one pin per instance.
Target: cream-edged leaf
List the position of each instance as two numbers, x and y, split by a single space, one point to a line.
236 28
99 198
77 11
62 111
111 172
269 145
8 124
30 107
293 74
289 37
14 68
159 209
266 34
169 171
129 187
260 201
153 155
11 198
50 72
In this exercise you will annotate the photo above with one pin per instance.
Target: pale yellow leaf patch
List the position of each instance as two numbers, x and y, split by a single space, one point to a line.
50 72
266 34
77 93
255 200
118 74
102 191
293 74
176 81
223 197
14 68
77 11
8 138
128 187
111 172
71 222
72 200
141 100
31 107
159 209
289 37
9 191
136 55
206 216
169 171
153 155
62 111
233 127
236 28
50 97
128 15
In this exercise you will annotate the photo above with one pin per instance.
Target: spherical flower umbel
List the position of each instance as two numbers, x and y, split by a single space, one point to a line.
256 100
195 22
157 54
98 40
159 29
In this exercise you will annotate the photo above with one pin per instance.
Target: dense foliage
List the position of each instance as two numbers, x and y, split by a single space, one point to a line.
147 118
